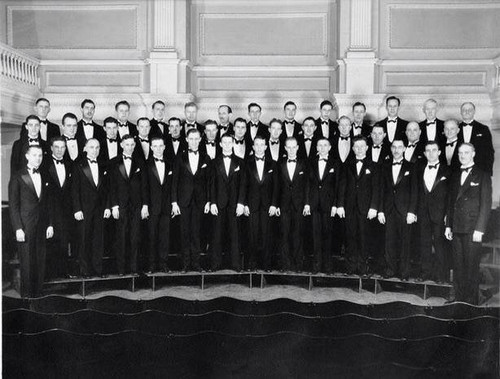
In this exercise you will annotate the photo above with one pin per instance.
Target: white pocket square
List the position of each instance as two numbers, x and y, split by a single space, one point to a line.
368 172
169 173
472 184
443 178
46 184
479 135
407 173
237 169
105 172
301 173
332 170
204 165
138 170
270 171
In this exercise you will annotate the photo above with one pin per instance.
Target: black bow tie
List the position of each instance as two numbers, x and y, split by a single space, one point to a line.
195 152
211 143
357 126
324 123
175 139
292 161
360 160
400 163
35 170
467 124
30 140
112 140
125 157
239 142
58 161
289 122
431 123
190 125
226 156
451 143
376 147
254 125
431 166
92 160
70 138
122 125
322 159
412 145
259 159
394 121
308 139
159 160
467 169
88 123
344 138
144 140
274 142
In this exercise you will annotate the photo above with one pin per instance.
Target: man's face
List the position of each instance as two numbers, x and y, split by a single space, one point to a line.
223 116
291 148
290 111
122 112
227 145
432 153
88 111
34 157
466 155
92 149
430 110
128 146
345 127
413 132
42 109
143 127
377 135
398 149
174 128
326 111
211 132
259 146
450 130
158 147
358 114
240 128
58 149
33 128
193 141
392 108
69 127
159 111
308 128
111 129
275 130
360 147
323 147
467 111
190 113
254 114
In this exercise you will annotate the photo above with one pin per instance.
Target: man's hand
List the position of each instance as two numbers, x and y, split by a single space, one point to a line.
372 213
20 235
448 234
307 210
79 216
144 212
333 211
115 212
214 210
477 236
50 232
411 218
341 212
381 217
272 211
107 213
240 209
176 211
207 208
247 211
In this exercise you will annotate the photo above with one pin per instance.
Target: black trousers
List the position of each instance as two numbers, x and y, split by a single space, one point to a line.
357 236
433 250
259 253
397 244
159 240
190 232
322 228
128 232
466 259
292 253
90 242
32 262
225 238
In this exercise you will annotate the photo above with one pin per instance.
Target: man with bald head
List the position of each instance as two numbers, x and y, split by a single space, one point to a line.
432 127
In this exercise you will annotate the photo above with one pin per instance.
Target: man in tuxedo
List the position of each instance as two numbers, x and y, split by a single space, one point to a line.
360 127
74 147
225 126
258 199
394 126
325 127
358 203
293 185
450 147
125 127
129 199
291 127
397 210
415 147
276 150
255 127
48 130
142 140
242 148
227 170
59 172
472 131
159 171
158 127
324 175
342 142
209 142
190 197
110 146
20 146
191 112
30 213
433 179
466 221
174 142
87 128
432 127
378 151
307 140
89 197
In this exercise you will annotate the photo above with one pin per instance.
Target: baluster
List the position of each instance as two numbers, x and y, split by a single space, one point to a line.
23 71
30 74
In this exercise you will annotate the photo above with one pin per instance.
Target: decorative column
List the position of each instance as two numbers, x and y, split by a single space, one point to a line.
163 59
360 58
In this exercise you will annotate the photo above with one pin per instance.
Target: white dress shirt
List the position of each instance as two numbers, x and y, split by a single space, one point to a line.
210 150
43 129
307 145
123 130
94 169
260 168
431 130
127 163
239 149
410 149
291 166
467 130
88 130
253 131
430 175
160 167
227 164
465 174
450 150
60 170
396 168
325 128
359 165
344 148
275 150
289 128
112 148
356 129
391 128
376 153
72 147
322 166
37 181
194 159
145 146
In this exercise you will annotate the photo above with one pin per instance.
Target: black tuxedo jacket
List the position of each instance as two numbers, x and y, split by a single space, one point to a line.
189 188
19 149
85 195
332 125
297 130
128 192
99 134
199 126
359 193
155 129
418 152
259 194
469 205
481 139
248 148
281 151
302 153
335 149
132 130
159 193
203 147
103 157
53 130
292 192
365 129
27 211
322 192
402 196
169 147
262 130
433 204
400 130
440 137
455 163
224 188
385 152
139 152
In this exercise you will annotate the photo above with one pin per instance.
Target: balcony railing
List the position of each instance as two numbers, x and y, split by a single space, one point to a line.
18 66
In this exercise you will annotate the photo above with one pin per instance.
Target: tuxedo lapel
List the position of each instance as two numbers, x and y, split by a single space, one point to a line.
438 178
87 172
402 171
29 182
121 168
462 189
